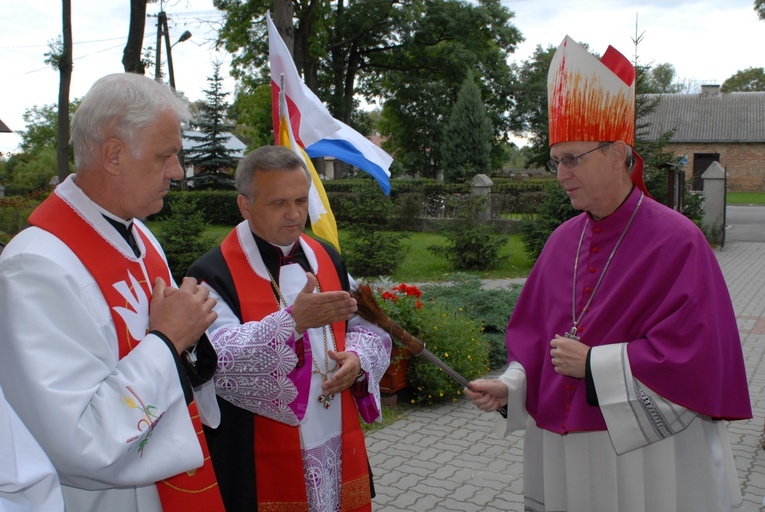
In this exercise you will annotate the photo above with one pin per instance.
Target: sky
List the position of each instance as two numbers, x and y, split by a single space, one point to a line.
706 41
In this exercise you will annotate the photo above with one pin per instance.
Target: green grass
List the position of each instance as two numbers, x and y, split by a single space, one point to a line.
746 198
420 265
218 233
390 414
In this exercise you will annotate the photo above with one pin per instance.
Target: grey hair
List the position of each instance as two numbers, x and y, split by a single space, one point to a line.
629 160
131 102
266 158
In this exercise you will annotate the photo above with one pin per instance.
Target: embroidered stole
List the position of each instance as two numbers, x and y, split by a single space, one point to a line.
196 490
279 473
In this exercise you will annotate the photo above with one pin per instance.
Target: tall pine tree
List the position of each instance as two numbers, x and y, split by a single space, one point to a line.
210 155
466 145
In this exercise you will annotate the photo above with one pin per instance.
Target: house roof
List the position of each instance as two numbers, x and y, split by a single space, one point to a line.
237 147
709 117
4 127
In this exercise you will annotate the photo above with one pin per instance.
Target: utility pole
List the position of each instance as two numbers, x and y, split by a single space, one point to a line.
164 33
65 73
158 52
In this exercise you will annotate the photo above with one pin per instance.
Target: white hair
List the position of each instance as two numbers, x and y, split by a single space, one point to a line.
127 101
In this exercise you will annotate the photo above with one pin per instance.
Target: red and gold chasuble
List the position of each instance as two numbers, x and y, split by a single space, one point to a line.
279 473
196 490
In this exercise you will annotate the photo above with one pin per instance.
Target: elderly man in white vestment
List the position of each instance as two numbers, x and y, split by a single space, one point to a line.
99 347
623 350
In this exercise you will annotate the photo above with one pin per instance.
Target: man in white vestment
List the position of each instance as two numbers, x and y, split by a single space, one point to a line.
99 347
623 350
296 366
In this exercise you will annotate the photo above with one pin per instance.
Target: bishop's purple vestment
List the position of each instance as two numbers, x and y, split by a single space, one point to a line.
663 294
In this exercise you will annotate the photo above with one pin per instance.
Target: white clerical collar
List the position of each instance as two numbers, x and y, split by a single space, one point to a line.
286 249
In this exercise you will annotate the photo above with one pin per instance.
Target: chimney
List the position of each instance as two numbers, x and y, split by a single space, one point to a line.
710 90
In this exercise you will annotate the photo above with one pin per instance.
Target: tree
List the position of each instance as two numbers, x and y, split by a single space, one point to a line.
252 110
41 127
183 235
418 79
759 7
748 80
328 42
36 164
411 54
661 79
517 157
529 116
211 155
131 56
466 145
60 58
32 172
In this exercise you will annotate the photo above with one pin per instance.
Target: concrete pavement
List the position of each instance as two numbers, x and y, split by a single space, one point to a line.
446 458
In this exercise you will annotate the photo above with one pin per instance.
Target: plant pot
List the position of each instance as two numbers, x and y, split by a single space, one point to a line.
394 378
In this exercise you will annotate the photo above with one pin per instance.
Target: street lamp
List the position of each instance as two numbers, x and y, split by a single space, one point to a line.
184 37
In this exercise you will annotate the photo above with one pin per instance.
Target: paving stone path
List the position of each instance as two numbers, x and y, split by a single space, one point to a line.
445 458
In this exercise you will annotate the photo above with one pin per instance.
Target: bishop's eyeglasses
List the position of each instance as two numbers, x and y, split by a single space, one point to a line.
571 161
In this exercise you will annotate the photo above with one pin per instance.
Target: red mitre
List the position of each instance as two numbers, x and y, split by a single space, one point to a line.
592 100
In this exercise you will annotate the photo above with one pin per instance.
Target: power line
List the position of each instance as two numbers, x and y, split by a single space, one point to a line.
121 45
73 43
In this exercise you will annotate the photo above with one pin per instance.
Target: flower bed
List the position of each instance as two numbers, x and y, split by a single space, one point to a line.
447 332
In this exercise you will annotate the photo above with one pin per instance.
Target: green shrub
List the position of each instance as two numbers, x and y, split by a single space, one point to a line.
14 214
407 209
364 205
449 334
528 202
218 207
455 339
554 211
470 244
490 308
470 247
371 253
368 251
182 235
693 207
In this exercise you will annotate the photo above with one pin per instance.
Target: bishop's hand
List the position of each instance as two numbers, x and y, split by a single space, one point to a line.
487 394
568 356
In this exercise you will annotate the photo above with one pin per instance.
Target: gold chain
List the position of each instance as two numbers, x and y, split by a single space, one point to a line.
316 369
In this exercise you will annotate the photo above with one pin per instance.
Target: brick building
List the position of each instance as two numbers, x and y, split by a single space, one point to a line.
728 128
